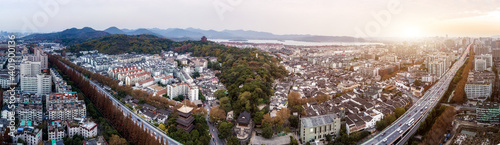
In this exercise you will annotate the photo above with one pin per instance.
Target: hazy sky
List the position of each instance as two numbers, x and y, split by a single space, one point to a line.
408 18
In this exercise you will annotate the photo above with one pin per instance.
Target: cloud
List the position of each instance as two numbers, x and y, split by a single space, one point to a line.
460 15
321 17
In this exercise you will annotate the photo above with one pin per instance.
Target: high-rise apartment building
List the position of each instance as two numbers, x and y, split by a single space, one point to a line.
478 50
488 59
42 58
479 85
30 67
190 91
438 64
32 80
480 65
495 54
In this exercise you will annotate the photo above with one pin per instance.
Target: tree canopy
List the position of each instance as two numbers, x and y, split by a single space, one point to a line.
225 129
216 114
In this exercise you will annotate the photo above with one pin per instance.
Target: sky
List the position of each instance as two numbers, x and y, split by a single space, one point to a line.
360 18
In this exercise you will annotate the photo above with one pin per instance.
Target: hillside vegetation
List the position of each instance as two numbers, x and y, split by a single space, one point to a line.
120 43
68 36
248 74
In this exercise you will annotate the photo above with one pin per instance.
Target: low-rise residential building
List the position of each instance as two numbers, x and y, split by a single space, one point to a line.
6 80
146 83
72 128
66 111
114 72
33 112
56 130
132 79
81 126
60 98
89 129
355 123
31 135
60 84
125 58
488 112
22 98
148 115
122 76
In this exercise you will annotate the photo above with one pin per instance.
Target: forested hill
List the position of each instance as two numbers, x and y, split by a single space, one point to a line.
68 36
247 73
121 43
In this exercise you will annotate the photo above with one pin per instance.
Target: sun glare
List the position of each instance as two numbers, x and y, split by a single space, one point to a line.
412 32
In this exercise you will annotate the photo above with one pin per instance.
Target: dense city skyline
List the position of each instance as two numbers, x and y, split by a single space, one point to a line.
235 72
390 18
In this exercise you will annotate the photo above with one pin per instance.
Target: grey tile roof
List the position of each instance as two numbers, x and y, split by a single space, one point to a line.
318 120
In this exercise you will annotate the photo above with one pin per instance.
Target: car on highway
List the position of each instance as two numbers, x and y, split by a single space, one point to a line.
399 124
383 133
409 115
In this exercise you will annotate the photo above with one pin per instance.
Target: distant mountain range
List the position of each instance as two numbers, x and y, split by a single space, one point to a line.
74 35
68 36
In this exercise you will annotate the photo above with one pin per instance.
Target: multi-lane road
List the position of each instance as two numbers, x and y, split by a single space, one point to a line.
406 125
212 128
126 111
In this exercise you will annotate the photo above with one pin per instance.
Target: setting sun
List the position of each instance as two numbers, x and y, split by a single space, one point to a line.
412 32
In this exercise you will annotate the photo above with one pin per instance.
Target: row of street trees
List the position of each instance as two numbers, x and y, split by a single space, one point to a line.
440 126
133 132
389 118
459 95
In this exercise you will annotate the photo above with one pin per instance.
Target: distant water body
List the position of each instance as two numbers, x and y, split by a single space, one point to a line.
297 43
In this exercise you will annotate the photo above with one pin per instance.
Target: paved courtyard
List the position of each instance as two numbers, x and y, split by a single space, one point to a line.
258 140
